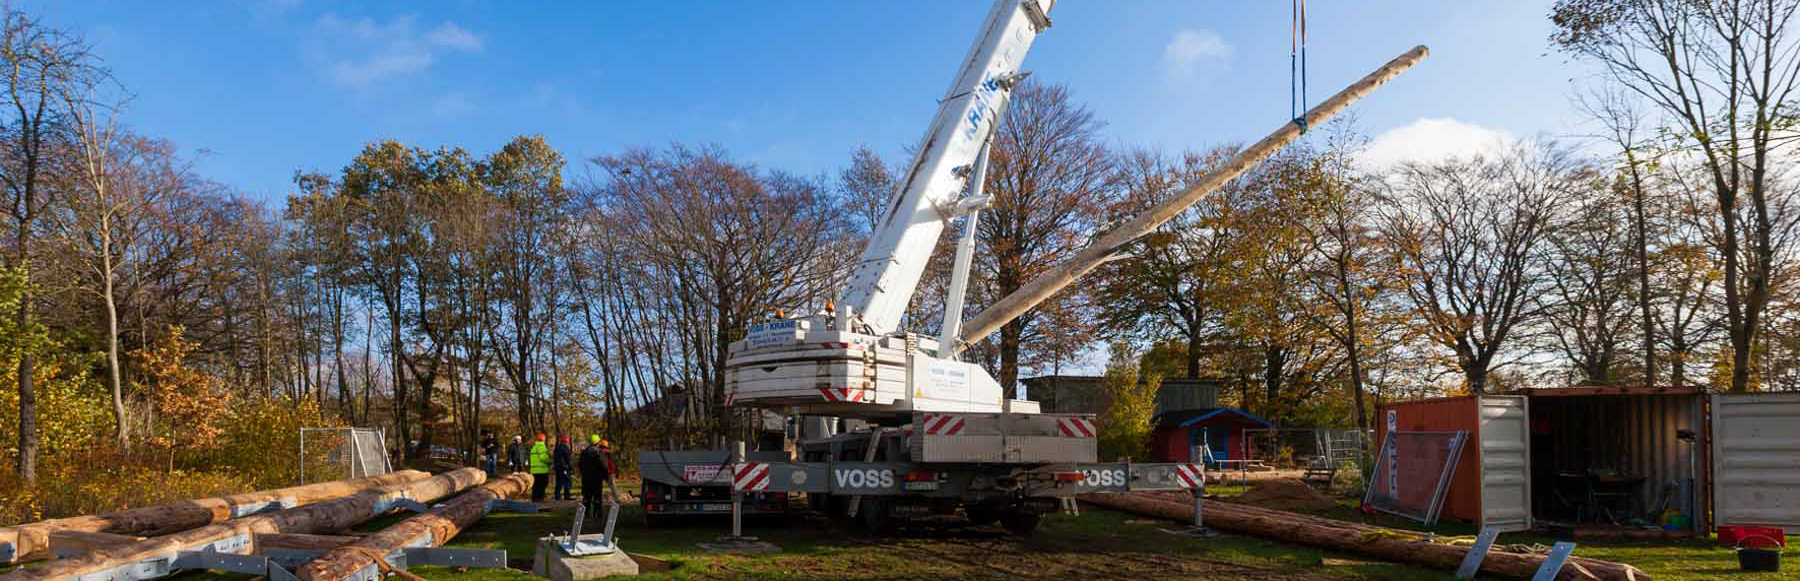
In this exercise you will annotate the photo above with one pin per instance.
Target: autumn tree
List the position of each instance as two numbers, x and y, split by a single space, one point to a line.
41 64
1050 178
1722 76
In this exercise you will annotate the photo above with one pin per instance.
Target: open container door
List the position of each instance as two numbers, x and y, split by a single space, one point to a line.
1756 459
1505 462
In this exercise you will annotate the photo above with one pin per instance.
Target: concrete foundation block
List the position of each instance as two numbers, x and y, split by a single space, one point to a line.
552 563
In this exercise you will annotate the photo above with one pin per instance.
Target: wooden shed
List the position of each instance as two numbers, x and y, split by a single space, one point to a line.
1177 433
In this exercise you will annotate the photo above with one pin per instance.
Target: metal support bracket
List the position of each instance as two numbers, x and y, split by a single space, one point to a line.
446 557
8 553
233 562
519 506
410 504
1472 560
1553 563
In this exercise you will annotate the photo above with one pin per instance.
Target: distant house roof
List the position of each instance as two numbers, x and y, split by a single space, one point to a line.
1083 394
1185 418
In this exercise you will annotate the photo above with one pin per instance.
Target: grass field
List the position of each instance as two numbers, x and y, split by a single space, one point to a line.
1099 544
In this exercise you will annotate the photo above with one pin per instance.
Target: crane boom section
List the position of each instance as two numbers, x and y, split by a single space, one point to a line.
888 273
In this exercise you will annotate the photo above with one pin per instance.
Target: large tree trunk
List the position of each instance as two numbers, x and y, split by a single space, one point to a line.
122 430
326 516
28 436
430 529
1350 538
31 541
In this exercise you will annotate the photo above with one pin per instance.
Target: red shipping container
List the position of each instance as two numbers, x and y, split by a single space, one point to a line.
1751 537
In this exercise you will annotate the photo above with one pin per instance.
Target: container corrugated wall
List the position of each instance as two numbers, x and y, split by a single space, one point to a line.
1633 434
1445 414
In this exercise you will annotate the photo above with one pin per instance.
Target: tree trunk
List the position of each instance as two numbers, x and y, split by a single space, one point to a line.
1349 537
122 430
431 529
31 541
28 436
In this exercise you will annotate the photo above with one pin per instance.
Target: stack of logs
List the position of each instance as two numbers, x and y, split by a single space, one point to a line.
1356 538
113 542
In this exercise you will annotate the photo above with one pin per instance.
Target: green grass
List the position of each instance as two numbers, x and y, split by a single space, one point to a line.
1098 543
1665 560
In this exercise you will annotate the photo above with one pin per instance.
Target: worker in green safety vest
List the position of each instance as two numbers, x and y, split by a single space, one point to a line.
540 468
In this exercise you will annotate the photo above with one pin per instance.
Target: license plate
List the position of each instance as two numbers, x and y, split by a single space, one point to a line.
919 486
719 506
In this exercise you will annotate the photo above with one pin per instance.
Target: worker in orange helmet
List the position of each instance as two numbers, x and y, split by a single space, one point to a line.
597 471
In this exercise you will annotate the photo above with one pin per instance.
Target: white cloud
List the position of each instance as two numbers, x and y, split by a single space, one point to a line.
450 36
452 105
363 52
1434 139
1190 48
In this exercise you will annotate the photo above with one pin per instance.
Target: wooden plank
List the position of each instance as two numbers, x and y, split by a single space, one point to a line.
433 528
234 536
1394 546
32 541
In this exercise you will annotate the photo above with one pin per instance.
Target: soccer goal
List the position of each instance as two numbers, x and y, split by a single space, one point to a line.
328 454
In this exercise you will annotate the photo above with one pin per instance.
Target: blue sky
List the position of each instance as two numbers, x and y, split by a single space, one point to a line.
265 88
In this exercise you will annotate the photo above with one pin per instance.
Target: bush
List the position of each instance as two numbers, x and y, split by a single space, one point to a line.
104 482
1125 424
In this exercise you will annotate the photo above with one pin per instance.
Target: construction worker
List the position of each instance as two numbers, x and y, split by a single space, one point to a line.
515 455
490 453
540 468
596 473
562 464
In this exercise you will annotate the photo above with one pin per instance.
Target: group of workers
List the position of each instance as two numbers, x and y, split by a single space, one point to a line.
543 462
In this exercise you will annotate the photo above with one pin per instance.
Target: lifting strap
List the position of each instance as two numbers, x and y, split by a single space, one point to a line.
1297 65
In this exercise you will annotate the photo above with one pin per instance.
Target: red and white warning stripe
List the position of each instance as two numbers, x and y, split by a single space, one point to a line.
1076 427
845 394
1189 475
942 424
748 476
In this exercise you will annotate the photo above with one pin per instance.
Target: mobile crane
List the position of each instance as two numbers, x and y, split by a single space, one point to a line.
939 433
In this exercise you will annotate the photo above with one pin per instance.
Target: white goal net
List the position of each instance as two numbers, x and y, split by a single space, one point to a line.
328 454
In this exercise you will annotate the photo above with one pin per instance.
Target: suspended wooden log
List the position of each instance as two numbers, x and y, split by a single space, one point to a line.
235 535
1358 539
32 541
433 529
76 542
1116 240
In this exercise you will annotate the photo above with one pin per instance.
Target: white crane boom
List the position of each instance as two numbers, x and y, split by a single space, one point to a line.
888 273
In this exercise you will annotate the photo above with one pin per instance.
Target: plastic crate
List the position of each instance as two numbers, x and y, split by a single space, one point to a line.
1752 536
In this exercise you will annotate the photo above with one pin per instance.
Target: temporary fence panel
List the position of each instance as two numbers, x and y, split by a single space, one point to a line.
1505 463
1756 459
1412 471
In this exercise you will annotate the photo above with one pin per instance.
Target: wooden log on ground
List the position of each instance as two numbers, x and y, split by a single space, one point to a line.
32 541
433 529
1356 539
69 542
266 541
235 536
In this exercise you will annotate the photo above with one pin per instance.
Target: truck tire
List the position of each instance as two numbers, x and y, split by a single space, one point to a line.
1020 522
981 515
875 515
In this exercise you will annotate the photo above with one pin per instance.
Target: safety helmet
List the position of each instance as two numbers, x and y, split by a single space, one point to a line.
593 438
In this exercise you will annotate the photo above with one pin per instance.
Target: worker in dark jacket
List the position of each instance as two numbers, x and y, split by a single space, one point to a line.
562 464
490 453
596 473
515 455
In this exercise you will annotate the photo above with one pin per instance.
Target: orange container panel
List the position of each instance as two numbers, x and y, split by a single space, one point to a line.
1443 414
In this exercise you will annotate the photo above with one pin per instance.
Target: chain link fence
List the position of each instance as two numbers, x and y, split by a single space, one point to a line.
328 454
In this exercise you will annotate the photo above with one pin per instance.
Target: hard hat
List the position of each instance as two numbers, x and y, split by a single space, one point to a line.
540 436
605 444
562 439
593 438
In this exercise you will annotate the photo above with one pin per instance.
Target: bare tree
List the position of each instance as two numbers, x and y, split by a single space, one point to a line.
1466 238
1723 74
41 64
